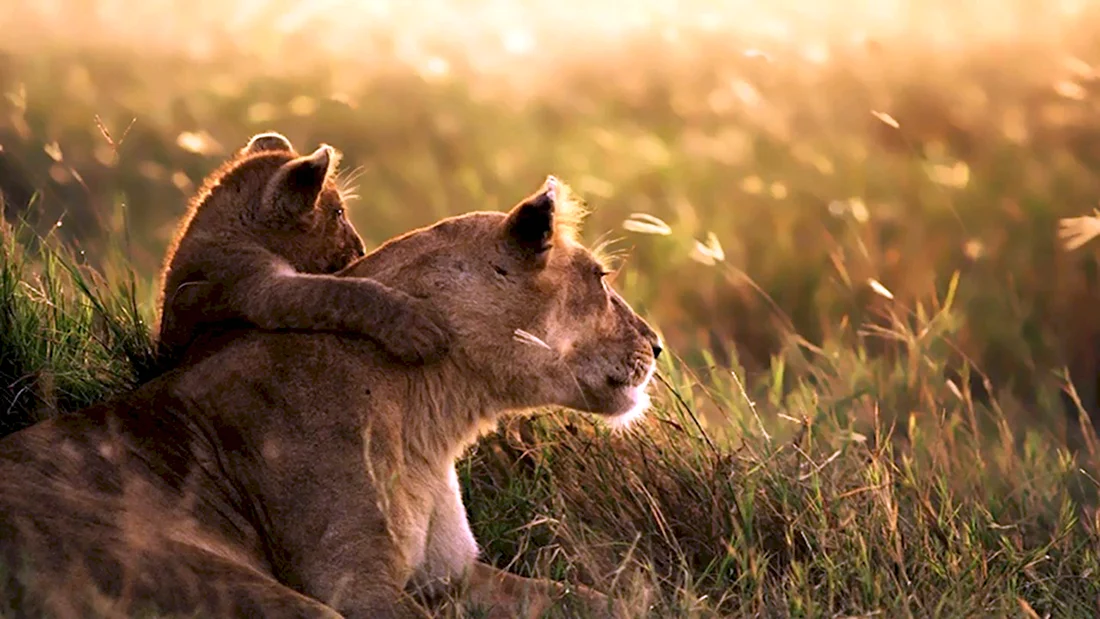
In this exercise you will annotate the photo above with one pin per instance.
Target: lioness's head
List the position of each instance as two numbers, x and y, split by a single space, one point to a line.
533 312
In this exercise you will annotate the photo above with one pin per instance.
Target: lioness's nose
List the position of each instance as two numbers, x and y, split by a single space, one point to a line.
648 333
657 348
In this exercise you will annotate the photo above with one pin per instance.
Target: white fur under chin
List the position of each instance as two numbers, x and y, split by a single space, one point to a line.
642 401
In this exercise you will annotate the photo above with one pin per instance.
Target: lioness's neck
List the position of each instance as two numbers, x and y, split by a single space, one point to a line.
449 405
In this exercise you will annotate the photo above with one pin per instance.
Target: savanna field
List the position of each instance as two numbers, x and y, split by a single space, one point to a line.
864 232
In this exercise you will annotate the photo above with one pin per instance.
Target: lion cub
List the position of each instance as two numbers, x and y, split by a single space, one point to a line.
259 245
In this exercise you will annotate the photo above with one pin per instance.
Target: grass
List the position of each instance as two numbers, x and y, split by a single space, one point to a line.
814 515
65 342
885 363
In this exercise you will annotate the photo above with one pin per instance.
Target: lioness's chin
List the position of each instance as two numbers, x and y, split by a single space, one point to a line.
637 409
635 402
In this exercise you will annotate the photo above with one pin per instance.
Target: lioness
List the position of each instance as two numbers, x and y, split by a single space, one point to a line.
309 474
267 230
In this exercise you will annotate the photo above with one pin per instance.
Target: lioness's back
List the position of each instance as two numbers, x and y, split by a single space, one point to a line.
151 494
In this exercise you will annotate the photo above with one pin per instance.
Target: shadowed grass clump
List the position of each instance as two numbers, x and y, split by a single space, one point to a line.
67 340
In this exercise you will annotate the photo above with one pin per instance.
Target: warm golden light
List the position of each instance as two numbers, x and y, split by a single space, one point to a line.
493 32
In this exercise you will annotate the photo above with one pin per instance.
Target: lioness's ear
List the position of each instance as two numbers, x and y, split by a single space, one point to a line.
529 227
293 190
270 141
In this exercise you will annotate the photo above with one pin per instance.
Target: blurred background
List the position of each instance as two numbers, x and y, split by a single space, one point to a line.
780 178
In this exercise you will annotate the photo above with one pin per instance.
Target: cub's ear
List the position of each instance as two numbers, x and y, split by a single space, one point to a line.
270 141
529 227
294 189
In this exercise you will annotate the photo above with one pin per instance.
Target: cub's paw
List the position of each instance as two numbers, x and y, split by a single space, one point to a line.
416 334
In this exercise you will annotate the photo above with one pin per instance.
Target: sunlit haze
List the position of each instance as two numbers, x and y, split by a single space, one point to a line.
492 33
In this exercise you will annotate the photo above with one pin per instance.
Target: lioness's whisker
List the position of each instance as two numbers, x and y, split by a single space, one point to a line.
530 339
525 337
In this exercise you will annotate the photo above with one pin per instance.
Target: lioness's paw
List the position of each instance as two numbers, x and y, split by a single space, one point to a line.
415 334
580 601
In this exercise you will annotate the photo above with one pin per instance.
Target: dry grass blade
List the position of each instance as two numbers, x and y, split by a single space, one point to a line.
1075 232
886 119
643 223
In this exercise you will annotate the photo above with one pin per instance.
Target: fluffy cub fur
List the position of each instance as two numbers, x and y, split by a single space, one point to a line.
259 246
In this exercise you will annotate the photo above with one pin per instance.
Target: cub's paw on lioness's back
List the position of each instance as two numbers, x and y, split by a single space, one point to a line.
260 244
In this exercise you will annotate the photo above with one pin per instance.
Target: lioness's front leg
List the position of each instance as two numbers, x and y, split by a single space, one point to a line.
450 562
449 546
329 536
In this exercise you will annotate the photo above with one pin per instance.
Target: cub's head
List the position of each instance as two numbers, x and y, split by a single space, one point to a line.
534 314
288 203
301 214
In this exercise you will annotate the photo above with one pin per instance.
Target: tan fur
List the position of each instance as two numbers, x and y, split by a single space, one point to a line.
310 475
267 229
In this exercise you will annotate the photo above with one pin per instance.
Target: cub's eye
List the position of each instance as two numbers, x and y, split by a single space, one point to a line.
339 211
601 272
